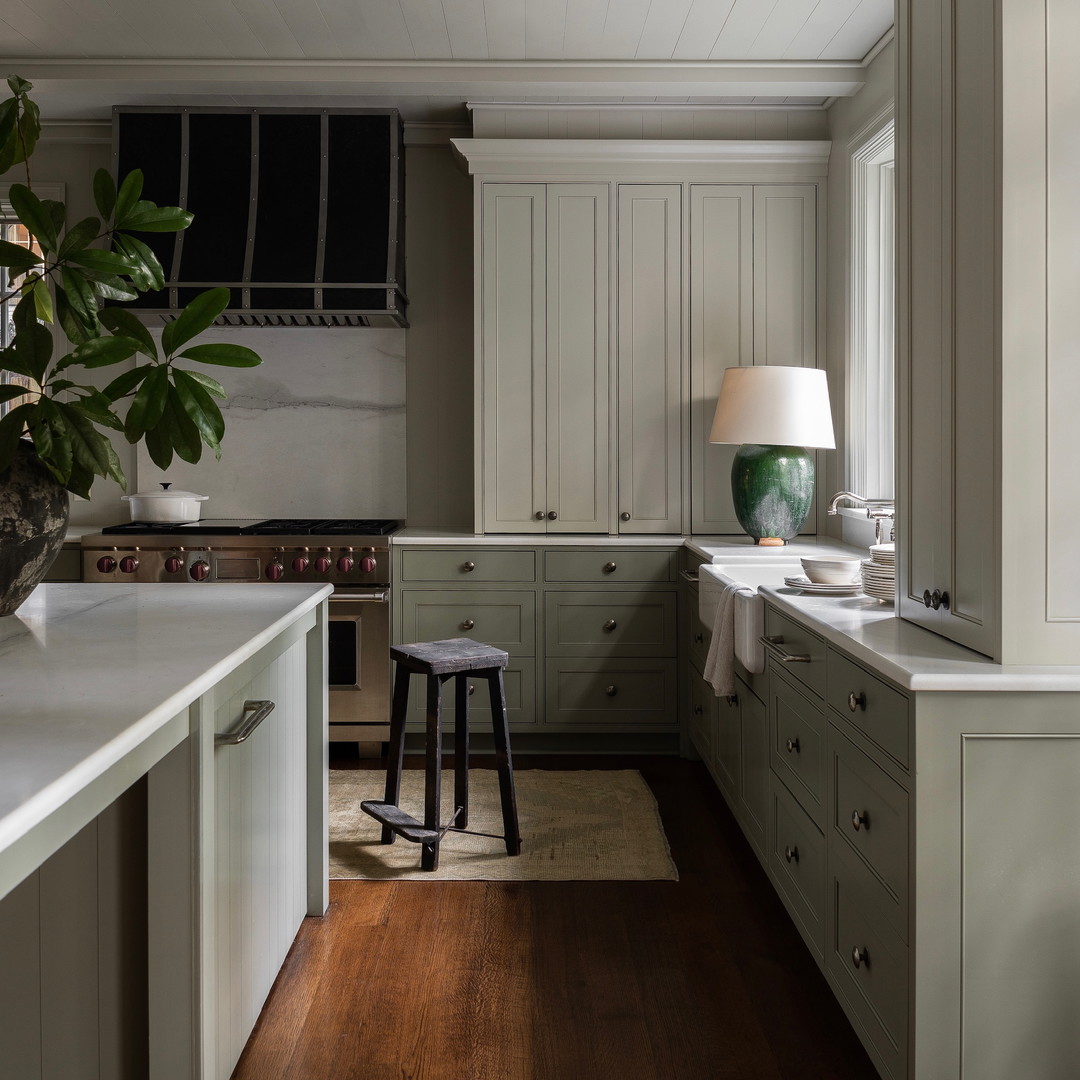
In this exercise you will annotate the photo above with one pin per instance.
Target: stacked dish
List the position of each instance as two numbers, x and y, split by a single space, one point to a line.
828 575
879 573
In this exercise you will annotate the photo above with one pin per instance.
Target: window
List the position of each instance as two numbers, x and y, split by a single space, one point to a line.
871 362
14 233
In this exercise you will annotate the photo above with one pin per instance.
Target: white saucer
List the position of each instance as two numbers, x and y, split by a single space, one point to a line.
808 586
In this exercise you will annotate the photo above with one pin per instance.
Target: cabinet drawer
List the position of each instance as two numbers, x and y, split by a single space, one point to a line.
864 795
698 635
792 640
874 993
870 704
453 564
797 746
797 860
610 564
506 620
611 694
610 623
519 686
729 725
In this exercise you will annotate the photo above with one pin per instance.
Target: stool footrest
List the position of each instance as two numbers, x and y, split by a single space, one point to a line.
405 825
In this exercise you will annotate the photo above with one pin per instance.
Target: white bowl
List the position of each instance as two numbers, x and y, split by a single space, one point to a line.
832 569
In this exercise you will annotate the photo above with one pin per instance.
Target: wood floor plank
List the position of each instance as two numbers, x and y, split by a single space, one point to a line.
704 977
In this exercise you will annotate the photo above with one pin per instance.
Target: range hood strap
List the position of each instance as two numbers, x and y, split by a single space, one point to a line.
253 213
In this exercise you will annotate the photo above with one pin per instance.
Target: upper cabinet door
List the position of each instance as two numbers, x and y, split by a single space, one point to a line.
513 439
721 336
650 358
578 359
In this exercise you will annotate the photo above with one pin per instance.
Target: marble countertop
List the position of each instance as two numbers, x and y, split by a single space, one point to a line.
89 673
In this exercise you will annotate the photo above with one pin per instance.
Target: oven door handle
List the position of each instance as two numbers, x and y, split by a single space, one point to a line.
360 596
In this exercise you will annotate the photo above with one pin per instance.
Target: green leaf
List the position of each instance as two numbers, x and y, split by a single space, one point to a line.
25 314
73 329
34 346
79 236
17 257
80 294
10 361
148 404
43 304
91 449
223 355
18 85
99 408
58 212
123 385
120 320
9 141
128 195
109 286
104 193
146 217
159 447
107 262
103 351
201 409
50 441
34 215
11 390
11 429
146 272
181 429
81 481
194 319
210 384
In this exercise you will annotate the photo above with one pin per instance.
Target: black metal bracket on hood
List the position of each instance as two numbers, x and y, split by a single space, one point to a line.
298 212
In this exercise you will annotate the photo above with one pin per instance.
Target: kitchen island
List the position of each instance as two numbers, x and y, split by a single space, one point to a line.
162 820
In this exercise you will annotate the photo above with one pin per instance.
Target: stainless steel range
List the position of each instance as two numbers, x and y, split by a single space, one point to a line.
352 555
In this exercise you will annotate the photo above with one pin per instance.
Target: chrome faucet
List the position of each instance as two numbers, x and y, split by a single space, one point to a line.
878 510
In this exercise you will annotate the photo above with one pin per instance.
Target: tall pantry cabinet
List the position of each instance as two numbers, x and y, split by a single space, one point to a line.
615 281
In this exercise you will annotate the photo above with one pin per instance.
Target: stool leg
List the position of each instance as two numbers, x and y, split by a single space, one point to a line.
429 860
397 744
461 750
504 764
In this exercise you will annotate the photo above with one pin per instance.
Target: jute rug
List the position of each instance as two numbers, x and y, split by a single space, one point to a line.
575 826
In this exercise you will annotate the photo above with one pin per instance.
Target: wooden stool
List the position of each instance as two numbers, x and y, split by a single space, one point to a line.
459 658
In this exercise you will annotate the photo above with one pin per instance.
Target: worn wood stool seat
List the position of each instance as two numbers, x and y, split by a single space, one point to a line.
460 659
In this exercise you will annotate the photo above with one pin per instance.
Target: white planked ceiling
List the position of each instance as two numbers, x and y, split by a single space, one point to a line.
715 50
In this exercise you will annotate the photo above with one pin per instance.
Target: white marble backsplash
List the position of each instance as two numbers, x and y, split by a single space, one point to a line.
318 430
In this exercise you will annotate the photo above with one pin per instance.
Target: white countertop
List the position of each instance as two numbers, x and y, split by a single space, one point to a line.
90 672
417 536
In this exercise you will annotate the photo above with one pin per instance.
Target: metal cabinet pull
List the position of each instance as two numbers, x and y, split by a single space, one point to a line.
611 691
468 624
772 641
860 820
699 639
698 710
690 575
468 567
860 957
609 568
552 515
539 515
733 700
609 626
472 689
793 746
255 712
791 854
856 701
625 515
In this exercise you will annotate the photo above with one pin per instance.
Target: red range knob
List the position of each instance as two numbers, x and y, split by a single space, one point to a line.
300 564
106 564
322 564
275 571
200 570
345 564
129 564
174 564
367 564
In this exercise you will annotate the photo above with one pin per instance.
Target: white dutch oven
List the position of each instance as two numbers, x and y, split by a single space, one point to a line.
165 505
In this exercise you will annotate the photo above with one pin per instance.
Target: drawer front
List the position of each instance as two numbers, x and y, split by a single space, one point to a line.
699 636
519 686
797 860
728 757
643 565
797 746
467 564
792 640
874 992
506 620
610 623
870 815
612 694
754 774
703 720
874 707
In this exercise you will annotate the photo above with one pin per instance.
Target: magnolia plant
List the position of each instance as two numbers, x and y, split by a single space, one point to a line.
73 277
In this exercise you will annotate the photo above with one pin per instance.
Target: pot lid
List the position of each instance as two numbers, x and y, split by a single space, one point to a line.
166 492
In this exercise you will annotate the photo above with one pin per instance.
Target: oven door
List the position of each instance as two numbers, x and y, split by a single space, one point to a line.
359 665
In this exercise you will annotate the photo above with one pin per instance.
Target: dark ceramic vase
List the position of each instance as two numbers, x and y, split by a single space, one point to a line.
772 487
33 523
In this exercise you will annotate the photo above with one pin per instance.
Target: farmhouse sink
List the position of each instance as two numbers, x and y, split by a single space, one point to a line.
749 570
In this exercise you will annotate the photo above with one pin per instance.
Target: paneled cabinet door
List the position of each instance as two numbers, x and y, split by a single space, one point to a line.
650 358
545 358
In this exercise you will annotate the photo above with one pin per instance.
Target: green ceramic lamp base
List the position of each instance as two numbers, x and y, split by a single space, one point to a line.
772 487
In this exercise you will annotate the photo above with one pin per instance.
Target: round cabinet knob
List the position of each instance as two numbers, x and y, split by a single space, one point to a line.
322 565
610 568
927 598
367 564
106 564
791 854
624 516
174 564
300 564
859 820
860 956
275 571
539 515
552 515
472 689
609 626
792 746
856 701
200 570
345 563
468 624
945 600
611 691
468 567
935 599
129 564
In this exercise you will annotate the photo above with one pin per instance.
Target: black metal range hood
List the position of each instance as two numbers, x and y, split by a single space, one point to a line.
299 212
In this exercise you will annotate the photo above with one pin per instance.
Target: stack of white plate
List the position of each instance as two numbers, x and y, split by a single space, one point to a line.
879 573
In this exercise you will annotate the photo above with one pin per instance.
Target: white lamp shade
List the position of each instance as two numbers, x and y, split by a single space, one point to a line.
774 406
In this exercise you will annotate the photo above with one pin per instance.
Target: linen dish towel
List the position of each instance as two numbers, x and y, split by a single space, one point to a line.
720 663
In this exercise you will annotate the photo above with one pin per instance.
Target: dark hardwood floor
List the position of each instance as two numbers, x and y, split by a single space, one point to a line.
701 978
